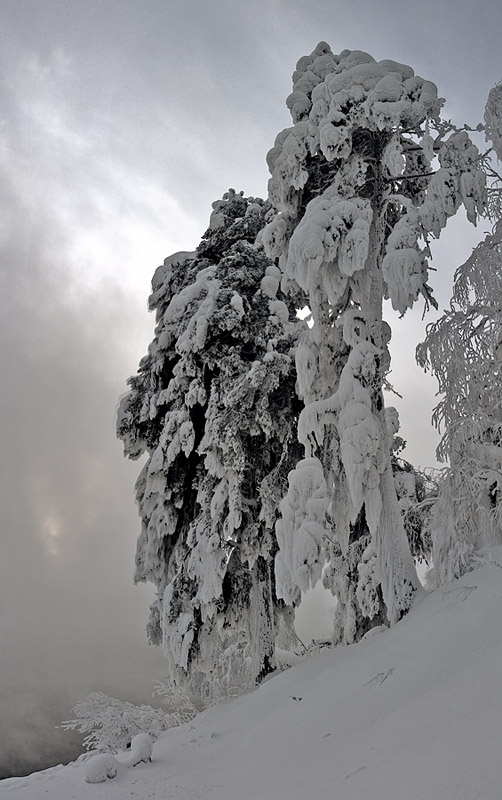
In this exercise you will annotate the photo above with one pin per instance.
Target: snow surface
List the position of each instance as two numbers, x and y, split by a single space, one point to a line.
410 713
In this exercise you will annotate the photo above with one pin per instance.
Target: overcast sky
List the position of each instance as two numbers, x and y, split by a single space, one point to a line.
121 121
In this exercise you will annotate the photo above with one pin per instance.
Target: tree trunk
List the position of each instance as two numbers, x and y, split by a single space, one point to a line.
396 569
261 609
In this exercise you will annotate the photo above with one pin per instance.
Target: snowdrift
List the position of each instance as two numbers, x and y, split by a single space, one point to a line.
411 713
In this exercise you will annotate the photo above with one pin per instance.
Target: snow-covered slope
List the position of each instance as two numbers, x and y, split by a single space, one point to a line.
410 713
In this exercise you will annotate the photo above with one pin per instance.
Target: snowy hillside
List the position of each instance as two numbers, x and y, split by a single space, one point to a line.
409 714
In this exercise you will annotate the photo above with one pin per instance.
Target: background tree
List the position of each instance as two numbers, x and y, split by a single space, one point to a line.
365 176
213 405
463 350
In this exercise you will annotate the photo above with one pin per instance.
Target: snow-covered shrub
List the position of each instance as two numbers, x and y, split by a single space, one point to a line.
101 767
178 704
110 724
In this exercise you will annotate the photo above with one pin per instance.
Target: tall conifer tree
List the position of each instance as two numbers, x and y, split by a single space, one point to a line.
214 408
367 174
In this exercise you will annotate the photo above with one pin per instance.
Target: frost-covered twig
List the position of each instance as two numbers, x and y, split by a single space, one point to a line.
110 724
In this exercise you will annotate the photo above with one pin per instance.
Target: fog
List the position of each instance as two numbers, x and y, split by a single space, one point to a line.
69 622
120 124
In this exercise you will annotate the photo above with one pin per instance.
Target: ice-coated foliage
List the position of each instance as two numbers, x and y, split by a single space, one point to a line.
416 493
214 408
463 350
366 175
110 725
300 531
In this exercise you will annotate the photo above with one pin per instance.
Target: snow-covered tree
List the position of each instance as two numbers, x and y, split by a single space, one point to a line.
463 350
367 174
493 119
214 408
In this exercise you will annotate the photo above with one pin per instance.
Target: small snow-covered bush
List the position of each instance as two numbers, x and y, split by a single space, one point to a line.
179 705
110 724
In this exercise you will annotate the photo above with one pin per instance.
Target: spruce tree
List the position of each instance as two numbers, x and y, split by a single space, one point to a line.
214 408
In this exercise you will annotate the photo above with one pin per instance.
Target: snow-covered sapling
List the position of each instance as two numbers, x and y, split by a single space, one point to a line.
142 747
104 765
